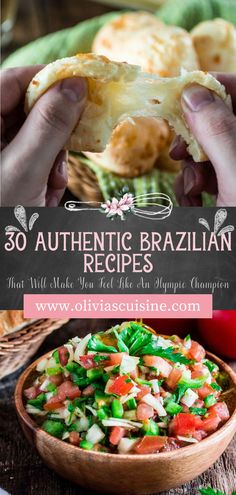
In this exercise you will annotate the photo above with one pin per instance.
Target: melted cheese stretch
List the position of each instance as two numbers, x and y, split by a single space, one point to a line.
117 91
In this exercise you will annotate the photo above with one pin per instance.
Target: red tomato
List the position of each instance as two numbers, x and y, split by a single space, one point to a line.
144 390
144 411
31 392
63 354
121 385
173 378
221 409
56 379
87 361
210 423
89 390
74 438
68 391
184 424
219 333
150 444
161 364
204 391
53 403
115 358
170 326
116 435
196 351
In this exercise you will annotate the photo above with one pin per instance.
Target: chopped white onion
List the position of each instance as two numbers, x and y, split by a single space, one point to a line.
128 364
187 343
189 397
49 395
33 410
65 435
164 343
155 386
125 398
131 415
70 349
162 425
95 434
51 363
92 410
44 385
126 445
125 423
82 424
110 368
81 347
155 403
41 366
108 385
187 439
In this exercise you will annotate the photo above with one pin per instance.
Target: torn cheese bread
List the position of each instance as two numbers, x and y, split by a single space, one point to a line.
118 91
215 44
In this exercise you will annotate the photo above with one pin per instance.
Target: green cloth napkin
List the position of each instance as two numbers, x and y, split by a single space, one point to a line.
68 42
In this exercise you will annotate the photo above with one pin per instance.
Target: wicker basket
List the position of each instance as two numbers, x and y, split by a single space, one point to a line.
17 347
82 181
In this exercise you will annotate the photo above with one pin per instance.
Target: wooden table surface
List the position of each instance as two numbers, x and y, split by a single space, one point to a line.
21 469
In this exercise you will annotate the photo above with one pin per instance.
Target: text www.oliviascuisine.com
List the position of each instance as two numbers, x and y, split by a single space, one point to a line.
118 305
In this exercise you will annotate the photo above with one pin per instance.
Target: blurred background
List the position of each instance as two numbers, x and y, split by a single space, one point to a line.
23 21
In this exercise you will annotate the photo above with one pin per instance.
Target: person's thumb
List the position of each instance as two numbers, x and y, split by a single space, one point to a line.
213 124
49 125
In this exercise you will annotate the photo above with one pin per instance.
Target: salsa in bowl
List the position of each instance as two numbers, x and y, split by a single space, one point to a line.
128 391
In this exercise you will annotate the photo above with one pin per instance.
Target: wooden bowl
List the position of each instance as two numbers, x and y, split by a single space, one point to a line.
127 474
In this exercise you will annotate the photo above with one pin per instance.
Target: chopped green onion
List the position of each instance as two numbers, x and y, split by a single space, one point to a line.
54 428
215 386
38 402
55 355
173 408
210 400
94 374
200 411
51 387
131 403
56 370
84 444
117 409
151 428
193 383
210 365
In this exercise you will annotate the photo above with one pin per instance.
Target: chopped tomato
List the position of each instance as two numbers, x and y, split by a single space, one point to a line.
53 403
196 351
88 362
74 438
144 411
68 391
184 424
144 390
63 354
210 423
221 409
158 362
115 358
56 379
31 392
121 385
199 435
173 378
89 390
150 444
116 434
204 391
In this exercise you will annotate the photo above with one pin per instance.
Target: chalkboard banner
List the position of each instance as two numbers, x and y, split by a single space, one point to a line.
74 251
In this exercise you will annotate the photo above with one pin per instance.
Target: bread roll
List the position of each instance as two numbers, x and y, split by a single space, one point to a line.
215 44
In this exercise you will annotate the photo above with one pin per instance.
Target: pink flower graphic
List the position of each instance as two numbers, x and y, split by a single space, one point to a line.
118 207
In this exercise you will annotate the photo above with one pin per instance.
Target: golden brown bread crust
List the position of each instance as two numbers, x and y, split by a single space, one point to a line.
11 321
